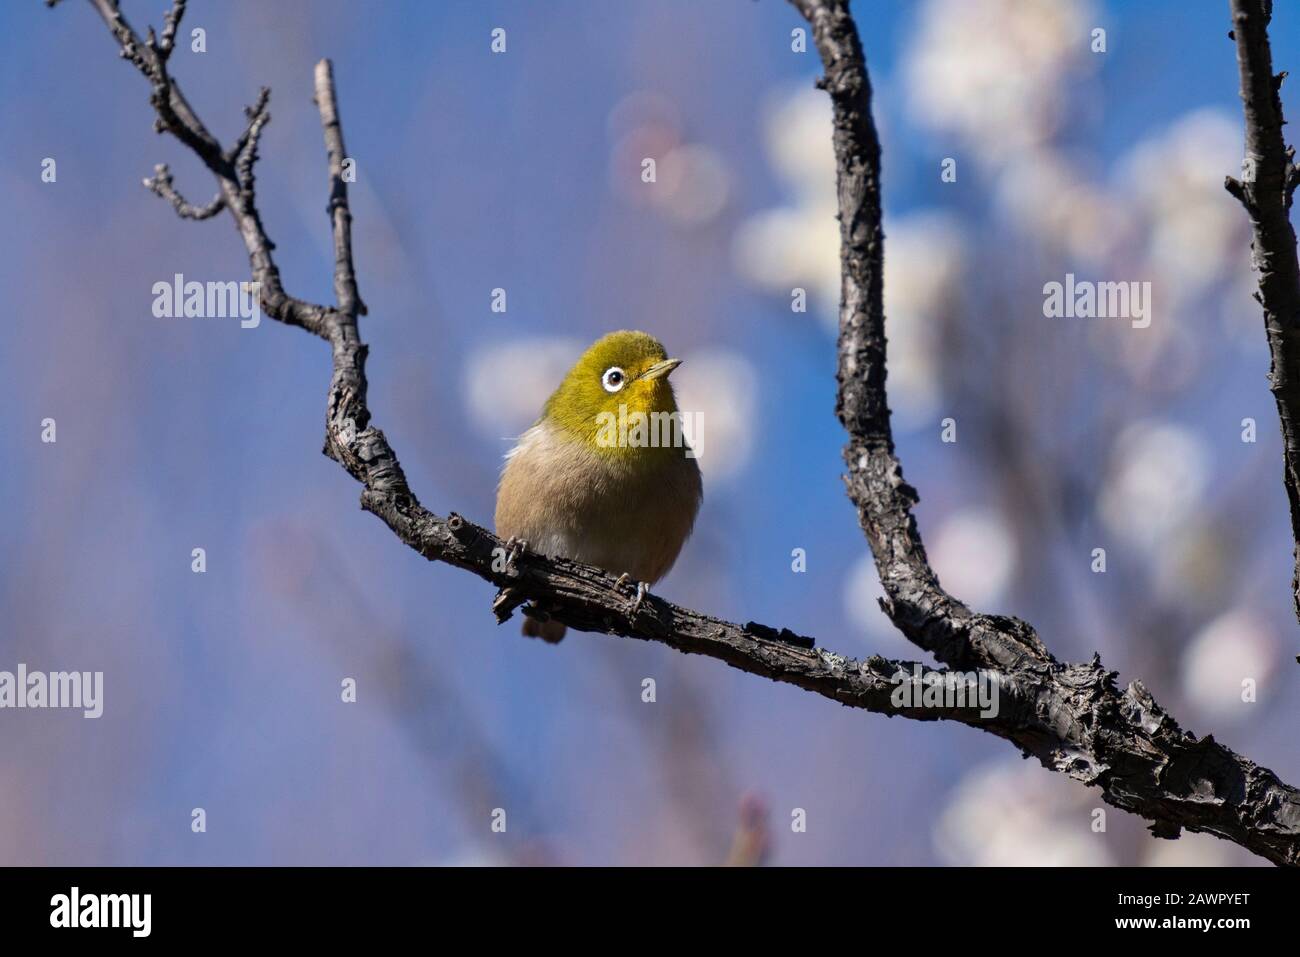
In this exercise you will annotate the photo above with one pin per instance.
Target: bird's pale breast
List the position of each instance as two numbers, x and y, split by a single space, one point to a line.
565 499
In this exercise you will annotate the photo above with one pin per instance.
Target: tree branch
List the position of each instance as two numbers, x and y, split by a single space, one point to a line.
1268 181
1069 716
161 184
915 602
345 278
1112 752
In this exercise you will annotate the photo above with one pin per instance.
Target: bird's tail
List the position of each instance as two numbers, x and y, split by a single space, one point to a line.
549 631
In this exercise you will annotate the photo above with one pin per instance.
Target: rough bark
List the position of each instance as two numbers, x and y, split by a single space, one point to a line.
1124 743
1071 717
915 602
1268 181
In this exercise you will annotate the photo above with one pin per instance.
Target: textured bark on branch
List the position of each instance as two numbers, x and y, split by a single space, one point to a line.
1122 742
1071 717
1268 181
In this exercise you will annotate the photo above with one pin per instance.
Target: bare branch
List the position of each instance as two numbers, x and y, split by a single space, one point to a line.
257 117
345 279
245 151
1265 190
176 117
1132 749
161 184
915 601
1069 716
171 22
174 113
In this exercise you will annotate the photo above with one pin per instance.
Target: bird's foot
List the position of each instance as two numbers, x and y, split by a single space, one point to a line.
642 589
515 548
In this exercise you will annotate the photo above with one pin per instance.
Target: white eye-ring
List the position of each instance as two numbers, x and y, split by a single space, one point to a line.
613 379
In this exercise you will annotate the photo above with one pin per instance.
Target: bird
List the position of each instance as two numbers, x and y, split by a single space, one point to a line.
606 475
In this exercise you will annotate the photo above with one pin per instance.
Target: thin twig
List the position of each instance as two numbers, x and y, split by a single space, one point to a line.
161 184
345 278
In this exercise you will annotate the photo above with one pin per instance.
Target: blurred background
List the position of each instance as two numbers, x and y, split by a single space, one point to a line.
522 171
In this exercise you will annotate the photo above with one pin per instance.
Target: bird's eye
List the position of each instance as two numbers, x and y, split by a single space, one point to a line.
613 379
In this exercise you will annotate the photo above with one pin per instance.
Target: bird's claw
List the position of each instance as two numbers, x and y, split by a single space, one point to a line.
515 548
642 589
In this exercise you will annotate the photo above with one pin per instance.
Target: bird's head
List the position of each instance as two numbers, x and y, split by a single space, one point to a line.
620 375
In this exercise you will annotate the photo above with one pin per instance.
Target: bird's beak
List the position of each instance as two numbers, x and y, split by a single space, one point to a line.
661 369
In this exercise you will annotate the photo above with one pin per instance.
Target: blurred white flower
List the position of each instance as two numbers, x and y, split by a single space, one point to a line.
1234 647
1167 355
1047 198
923 273
691 184
995 72
1019 815
798 246
974 556
862 594
1157 474
721 388
798 137
1181 231
641 110
506 385
1196 230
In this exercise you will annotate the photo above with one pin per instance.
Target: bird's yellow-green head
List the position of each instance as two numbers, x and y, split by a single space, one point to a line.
620 375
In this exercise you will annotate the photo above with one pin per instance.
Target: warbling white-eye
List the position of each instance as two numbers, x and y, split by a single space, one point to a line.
581 485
